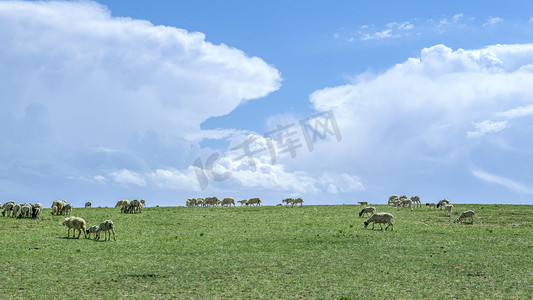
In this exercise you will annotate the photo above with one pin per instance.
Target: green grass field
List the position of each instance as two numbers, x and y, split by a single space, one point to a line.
309 252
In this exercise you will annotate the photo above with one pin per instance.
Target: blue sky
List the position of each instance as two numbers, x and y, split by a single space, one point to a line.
117 100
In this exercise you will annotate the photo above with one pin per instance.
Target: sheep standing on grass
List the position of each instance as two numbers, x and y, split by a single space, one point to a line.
119 203
93 229
464 215
442 202
66 210
16 210
5 204
8 209
367 210
143 203
106 226
37 207
26 211
59 204
295 202
416 201
380 218
448 209
88 204
75 223
125 205
254 200
363 203
430 205
37 213
228 201
54 210
242 202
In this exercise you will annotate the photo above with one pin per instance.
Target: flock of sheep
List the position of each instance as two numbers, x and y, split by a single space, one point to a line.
26 210
133 207
402 201
227 201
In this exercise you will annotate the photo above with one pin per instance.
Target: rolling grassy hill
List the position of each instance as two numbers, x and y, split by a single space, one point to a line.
272 252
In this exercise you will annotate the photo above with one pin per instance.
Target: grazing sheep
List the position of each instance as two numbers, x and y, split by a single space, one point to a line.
397 203
75 223
363 203
255 200
54 210
143 203
369 209
448 210
135 206
430 205
125 205
5 204
392 198
37 213
416 201
288 201
106 226
119 203
26 211
16 210
464 215
59 205
296 201
380 218
93 229
35 207
66 210
8 209
228 201
200 202
242 202
406 202
212 201
88 204
442 202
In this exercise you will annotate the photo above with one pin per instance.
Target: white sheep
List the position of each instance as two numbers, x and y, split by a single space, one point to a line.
59 205
26 211
5 204
119 203
200 202
466 214
363 203
8 209
37 206
66 210
75 223
380 218
106 226
16 210
416 201
228 201
54 210
406 202
288 201
295 201
88 204
242 202
442 202
254 200
37 213
93 229
448 209
430 205
125 206
134 207
366 210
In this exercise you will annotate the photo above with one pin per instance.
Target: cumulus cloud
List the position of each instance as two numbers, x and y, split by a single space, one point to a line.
88 92
416 118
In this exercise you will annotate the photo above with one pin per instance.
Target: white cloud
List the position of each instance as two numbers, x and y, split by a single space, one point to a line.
521 111
417 116
493 21
487 126
506 182
82 89
128 177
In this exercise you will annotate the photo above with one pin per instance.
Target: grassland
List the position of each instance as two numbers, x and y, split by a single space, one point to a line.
309 252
